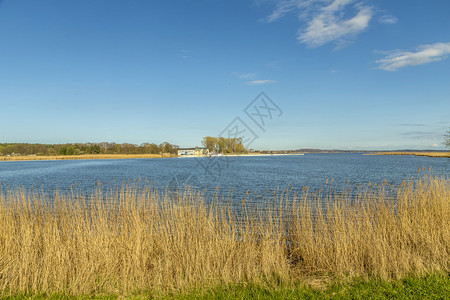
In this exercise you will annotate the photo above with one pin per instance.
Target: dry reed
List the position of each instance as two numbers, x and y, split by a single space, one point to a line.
131 239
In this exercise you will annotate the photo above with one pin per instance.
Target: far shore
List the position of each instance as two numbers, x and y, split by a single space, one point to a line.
167 155
429 154
120 156
265 154
244 154
83 156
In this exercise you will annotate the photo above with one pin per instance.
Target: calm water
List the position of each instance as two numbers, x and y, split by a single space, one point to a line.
257 174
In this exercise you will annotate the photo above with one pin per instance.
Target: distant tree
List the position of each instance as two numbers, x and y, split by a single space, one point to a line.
62 150
38 149
104 147
224 145
70 150
50 151
240 148
127 148
446 141
117 148
150 148
168 148
210 143
94 149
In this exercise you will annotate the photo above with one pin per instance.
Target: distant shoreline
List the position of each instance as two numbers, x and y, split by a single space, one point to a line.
83 157
265 154
166 155
428 154
121 156
243 155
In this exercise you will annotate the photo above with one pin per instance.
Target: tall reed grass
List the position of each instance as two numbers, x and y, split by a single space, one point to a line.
129 239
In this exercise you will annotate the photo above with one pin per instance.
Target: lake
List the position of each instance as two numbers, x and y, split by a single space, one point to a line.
257 174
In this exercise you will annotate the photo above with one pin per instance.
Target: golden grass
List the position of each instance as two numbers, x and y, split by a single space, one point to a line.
130 239
84 156
429 154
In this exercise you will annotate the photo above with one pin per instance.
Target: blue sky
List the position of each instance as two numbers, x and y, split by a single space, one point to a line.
347 74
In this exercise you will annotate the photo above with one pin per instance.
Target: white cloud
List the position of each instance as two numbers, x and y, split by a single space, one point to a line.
282 9
257 82
328 27
250 76
435 145
387 19
274 64
245 75
326 20
184 54
422 55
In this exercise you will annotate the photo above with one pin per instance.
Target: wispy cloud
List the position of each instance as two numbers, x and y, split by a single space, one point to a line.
282 9
251 79
326 20
274 64
247 76
184 54
387 19
421 135
258 82
330 26
411 124
421 55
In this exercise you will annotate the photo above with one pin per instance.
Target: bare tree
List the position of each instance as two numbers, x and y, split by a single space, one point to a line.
446 141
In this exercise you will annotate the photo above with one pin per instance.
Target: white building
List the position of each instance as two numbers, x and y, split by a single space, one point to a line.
192 151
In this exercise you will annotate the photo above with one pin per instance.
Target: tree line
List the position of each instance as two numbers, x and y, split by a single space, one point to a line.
223 145
213 144
86 148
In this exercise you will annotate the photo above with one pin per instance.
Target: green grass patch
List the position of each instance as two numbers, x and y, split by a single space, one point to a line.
429 287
